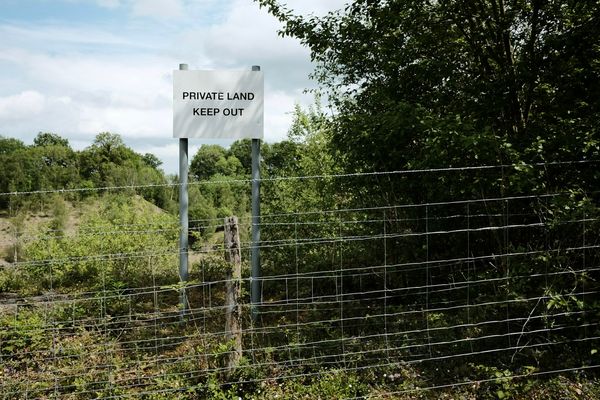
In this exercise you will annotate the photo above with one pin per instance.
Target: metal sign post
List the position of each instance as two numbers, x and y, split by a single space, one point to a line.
256 286
183 217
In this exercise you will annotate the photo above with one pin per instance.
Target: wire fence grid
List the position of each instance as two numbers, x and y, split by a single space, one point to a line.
392 292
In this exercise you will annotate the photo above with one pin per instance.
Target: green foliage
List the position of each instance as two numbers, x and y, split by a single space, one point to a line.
10 145
242 150
100 255
501 384
60 215
44 139
419 85
51 164
23 333
307 152
151 160
211 160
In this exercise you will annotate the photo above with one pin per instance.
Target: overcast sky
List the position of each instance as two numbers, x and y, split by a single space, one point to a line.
80 67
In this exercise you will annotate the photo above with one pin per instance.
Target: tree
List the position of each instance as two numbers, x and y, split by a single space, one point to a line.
204 162
151 160
49 139
242 150
16 176
32 168
55 167
10 145
110 147
213 159
100 161
519 79
282 158
109 162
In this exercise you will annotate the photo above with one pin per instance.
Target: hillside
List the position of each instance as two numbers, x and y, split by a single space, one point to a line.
23 228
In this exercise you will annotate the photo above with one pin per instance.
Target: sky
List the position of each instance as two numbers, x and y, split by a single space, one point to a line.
81 67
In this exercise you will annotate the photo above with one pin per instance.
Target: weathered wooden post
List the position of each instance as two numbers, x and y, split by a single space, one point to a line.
233 316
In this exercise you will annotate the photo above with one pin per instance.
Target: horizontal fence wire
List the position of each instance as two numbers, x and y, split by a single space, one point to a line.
306 177
484 285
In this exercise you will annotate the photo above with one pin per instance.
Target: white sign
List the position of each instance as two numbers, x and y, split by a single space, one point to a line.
218 104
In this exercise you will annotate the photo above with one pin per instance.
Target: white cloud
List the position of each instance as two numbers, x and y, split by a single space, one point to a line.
158 9
26 104
87 94
279 106
235 43
132 122
315 7
129 80
29 112
247 36
236 37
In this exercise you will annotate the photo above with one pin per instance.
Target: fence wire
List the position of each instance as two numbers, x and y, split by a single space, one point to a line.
410 297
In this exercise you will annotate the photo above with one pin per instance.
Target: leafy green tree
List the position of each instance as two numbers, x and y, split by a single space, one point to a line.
49 139
109 162
15 176
152 160
213 159
204 162
306 152
9 145
428 84
56 167
242 150
517 80
106 150
37 168
280 159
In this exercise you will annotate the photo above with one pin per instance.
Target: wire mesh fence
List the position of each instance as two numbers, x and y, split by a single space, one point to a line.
407 296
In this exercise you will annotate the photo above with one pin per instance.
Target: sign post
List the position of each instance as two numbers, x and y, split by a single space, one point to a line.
183 217
255 287
219 105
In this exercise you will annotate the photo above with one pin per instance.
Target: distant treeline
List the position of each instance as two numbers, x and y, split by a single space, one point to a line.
51 164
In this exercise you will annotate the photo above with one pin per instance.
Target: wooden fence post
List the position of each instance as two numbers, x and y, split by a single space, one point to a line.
233 321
